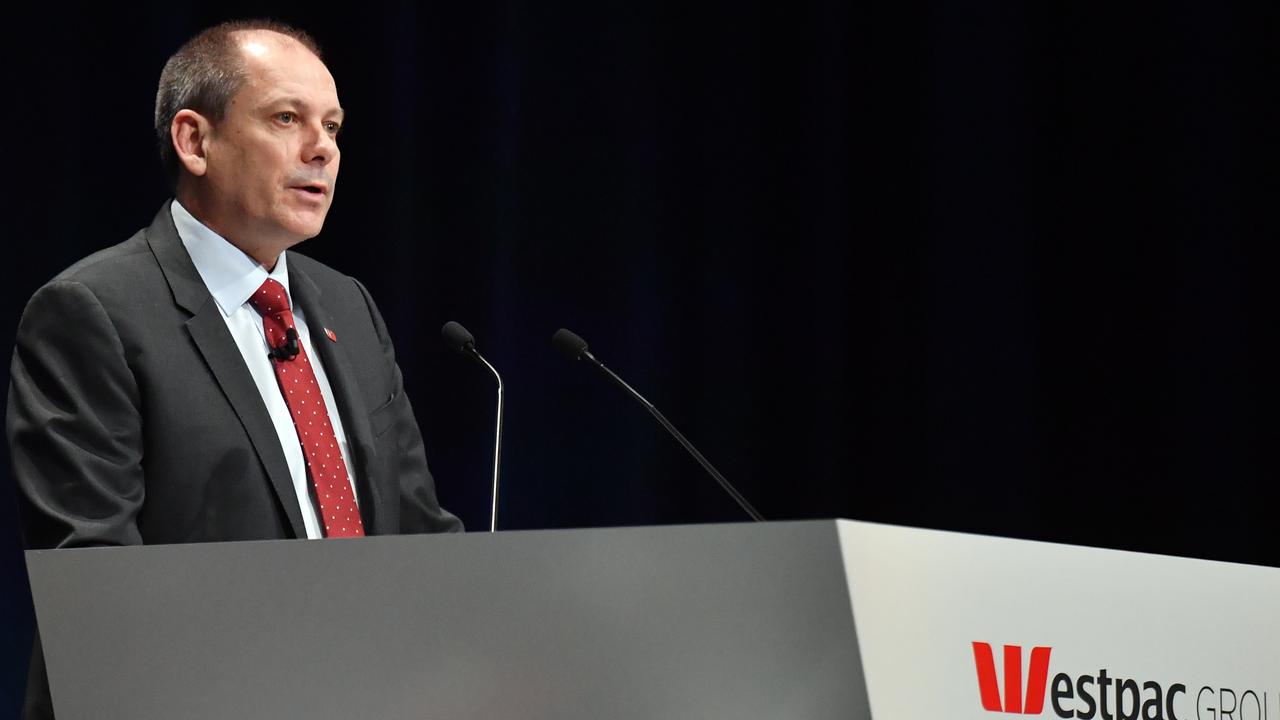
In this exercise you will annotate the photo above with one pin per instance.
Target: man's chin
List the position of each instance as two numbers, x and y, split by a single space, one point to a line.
305 226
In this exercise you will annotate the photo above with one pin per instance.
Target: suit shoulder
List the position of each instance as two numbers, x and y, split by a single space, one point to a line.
125 280
109 266
325 277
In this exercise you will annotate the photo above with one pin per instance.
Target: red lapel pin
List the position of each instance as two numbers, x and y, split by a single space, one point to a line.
331 335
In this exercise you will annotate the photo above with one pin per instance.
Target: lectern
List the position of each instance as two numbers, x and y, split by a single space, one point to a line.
821 619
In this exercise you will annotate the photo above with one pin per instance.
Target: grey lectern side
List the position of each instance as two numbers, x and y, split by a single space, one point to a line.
722 621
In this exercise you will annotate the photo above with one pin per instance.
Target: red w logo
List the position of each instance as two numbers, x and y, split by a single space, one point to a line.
1036 678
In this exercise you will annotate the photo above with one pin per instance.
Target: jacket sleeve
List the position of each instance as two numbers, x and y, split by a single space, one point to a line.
73 423
420 510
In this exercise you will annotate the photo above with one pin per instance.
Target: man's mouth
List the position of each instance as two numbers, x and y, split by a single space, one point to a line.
316 189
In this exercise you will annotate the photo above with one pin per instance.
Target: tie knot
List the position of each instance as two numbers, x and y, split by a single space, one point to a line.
270 299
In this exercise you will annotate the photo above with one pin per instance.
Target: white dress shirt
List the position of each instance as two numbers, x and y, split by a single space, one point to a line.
232 276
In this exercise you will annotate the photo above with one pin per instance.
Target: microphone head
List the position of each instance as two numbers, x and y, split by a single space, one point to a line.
569 344
457 337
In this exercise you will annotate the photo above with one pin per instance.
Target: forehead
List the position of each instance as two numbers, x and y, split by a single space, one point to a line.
279 66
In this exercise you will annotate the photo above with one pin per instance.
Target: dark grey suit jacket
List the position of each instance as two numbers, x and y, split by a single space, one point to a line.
132 417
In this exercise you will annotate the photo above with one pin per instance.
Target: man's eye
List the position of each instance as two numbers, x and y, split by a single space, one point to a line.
286 117
332 127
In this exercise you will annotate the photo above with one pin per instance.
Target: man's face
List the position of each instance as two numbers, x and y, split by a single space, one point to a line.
273 158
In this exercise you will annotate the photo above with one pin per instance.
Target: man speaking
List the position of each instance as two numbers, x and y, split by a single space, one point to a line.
200 382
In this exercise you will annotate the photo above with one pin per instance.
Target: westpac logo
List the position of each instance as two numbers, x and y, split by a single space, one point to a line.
1104 695
1014 700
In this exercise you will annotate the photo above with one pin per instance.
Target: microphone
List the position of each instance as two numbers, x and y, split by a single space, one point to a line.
289 349
461 341
575 348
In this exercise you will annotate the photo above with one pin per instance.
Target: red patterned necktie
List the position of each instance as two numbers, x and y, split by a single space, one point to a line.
328 473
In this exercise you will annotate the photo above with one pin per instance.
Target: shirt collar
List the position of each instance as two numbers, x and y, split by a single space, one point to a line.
231 275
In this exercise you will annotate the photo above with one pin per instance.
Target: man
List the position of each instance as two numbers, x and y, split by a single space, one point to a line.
200 381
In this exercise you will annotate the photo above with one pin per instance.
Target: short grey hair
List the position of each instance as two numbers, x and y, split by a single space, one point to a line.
204 74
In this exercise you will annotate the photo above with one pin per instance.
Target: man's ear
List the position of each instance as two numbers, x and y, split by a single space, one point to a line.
190 135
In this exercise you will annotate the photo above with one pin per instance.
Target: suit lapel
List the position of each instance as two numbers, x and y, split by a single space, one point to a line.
343 381
209 332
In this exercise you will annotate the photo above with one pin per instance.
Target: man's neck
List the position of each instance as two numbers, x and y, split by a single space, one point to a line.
257 253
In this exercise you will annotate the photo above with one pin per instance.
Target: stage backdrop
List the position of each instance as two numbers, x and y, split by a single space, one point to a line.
995 267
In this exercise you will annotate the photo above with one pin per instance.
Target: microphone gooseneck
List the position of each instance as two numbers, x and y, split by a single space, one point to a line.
575 348
461 341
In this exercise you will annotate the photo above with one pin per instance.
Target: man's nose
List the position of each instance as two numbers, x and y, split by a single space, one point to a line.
321 147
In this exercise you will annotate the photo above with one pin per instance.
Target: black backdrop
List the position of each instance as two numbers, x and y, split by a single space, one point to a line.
992 267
